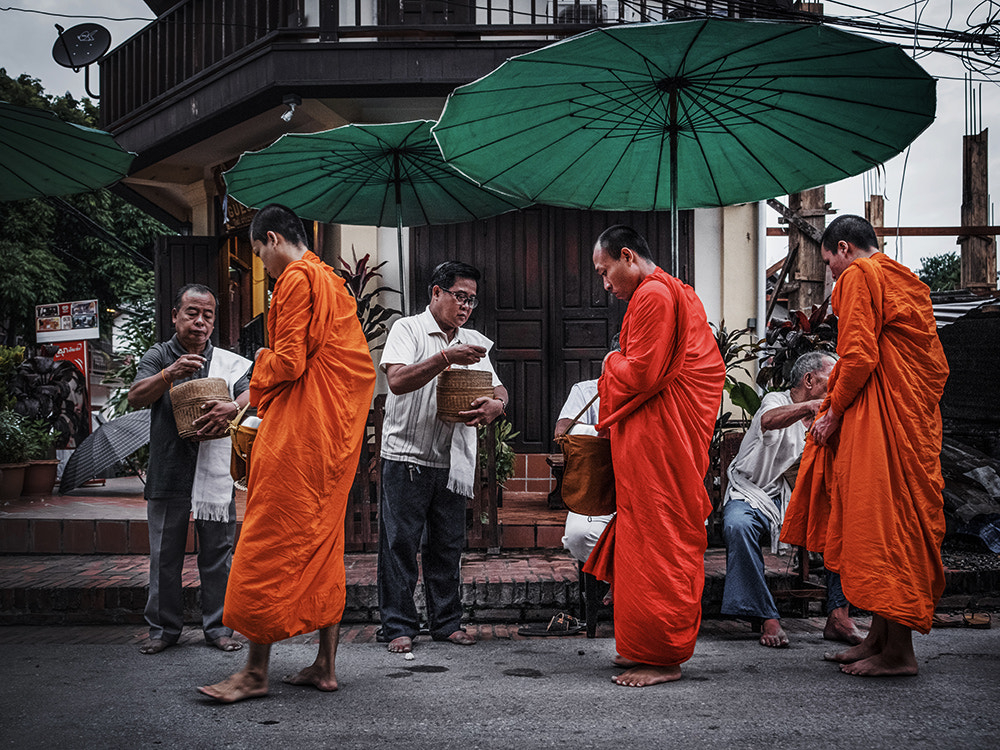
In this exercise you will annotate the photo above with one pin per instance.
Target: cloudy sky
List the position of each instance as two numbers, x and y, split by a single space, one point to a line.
922 187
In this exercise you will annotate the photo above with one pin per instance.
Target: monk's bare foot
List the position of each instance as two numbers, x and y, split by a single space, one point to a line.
401 645
621 661
644 675
461 638
843 630
154 646
772 634
864 650
881 665
315 676
237 687
609 597
225 643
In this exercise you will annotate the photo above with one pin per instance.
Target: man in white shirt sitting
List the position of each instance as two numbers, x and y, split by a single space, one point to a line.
757 495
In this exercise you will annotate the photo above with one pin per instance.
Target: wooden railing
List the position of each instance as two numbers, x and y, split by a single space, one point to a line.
197 36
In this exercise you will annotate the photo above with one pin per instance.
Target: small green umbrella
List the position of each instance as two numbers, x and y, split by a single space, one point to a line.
41 155
686 114
372 175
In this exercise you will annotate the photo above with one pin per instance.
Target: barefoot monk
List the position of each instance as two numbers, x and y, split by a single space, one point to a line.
660 396
868 493
312 389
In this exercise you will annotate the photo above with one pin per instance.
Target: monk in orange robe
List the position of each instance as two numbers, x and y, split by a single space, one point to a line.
660 397
312 390
868 493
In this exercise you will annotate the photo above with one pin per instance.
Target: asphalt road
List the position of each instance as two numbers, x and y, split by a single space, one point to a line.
504 694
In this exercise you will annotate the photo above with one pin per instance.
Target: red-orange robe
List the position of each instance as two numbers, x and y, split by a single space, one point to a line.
871 503
660 398
312 390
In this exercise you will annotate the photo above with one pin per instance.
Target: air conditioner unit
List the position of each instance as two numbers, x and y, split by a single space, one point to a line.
588 13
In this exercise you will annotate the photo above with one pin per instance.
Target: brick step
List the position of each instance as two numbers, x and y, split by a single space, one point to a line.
504 587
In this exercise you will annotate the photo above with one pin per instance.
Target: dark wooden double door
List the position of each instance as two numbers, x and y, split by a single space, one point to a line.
541 301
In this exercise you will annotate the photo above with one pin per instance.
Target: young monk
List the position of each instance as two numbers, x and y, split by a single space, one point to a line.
312 390
868 494
660 397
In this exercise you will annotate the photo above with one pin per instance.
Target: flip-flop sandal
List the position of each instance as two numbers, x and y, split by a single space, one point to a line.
977 620
941 620
560 624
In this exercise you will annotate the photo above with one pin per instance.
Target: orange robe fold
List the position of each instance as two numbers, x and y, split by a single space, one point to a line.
660 398
312 390
871 502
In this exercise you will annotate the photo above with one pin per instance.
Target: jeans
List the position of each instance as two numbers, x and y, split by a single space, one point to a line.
746 591
415 498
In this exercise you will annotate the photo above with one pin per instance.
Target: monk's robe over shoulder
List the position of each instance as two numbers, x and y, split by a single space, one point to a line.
872 503
660 397
312 390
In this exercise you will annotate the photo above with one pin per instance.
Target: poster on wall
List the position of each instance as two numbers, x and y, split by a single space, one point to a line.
75 418
67 321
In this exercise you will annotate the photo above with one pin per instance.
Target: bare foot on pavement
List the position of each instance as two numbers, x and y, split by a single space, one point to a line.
773 635
401 645
461 638
154 646
237 687
315 676
644 675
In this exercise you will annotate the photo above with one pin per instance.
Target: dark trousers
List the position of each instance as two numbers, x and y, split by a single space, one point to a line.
414 498
168 530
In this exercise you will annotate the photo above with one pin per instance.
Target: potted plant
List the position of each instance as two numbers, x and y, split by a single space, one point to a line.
40 474
13 453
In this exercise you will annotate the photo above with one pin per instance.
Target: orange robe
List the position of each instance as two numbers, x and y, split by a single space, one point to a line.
312 390
871 502
660 398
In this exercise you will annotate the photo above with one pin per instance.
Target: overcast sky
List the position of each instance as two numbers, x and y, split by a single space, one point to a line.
929 193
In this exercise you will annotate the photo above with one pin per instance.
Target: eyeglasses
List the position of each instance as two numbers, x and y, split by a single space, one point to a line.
463 299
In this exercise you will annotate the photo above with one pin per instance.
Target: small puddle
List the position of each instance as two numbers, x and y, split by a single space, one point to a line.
523 672
426 668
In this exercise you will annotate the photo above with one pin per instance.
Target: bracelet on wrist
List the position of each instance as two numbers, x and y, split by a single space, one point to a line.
445 358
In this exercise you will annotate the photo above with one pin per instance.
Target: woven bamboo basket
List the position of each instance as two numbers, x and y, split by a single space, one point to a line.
187 399
457 389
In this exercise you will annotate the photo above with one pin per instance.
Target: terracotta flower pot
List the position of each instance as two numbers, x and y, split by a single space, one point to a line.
40 477
11 480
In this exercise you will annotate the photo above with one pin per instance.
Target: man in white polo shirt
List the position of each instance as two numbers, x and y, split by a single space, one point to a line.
428 465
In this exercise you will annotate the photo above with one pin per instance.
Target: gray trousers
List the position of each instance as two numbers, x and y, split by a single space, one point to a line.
168 530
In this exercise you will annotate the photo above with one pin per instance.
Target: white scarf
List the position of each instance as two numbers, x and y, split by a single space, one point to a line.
462 476
212 491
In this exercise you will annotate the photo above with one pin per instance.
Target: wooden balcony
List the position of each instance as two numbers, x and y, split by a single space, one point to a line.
197 39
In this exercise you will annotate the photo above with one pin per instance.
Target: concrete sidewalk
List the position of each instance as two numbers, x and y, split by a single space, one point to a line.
503 694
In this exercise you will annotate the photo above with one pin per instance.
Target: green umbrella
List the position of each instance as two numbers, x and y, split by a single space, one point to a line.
373 175
686 114
41 155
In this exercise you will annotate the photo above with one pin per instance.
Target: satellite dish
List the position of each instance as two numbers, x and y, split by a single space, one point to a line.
81 45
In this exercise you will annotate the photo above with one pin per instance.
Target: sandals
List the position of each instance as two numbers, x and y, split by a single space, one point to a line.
977 620
560 624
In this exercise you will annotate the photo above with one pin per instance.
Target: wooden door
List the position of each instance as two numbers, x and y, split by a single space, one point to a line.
542 304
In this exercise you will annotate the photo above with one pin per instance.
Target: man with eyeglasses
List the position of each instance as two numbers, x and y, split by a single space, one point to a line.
428 465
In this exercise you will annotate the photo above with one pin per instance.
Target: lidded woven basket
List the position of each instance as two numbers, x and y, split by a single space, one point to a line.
457 389
187 399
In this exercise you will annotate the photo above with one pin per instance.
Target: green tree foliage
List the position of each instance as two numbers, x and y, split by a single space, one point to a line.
49 250
941 272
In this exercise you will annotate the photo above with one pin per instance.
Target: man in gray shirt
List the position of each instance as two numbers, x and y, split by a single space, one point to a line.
189 474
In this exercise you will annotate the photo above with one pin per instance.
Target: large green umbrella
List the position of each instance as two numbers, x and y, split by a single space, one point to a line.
686 114
41 155
373 175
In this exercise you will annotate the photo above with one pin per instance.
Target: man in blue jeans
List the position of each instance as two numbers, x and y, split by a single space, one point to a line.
428 465
756 497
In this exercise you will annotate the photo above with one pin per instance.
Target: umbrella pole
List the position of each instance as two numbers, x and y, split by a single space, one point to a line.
674 233
399 247
397 182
